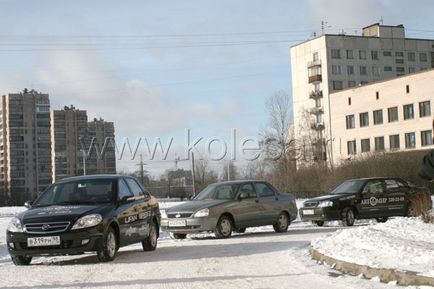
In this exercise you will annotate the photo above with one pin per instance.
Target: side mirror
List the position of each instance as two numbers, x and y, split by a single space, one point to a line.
124 200
242 196
28 204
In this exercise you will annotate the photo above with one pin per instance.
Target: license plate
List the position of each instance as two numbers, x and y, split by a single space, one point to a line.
177 223
308 212
43 241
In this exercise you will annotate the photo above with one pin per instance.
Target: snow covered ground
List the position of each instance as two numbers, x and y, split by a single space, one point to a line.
259 258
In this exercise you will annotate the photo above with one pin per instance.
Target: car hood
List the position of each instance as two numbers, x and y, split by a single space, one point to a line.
193 206
331 198
59 213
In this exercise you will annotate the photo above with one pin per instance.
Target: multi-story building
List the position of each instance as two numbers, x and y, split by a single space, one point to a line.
386 116
101 158
331 63
25 150
68 130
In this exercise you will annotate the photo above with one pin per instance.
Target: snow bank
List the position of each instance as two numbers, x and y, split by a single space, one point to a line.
400 243
10 211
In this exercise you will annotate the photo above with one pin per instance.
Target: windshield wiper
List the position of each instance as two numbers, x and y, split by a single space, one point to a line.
76 203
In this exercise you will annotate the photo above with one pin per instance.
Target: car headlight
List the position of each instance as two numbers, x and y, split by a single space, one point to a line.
87 221
201 213
15 226
163 214
325 204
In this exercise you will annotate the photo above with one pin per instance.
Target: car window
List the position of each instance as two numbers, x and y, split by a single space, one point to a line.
123 190
248 189
374 187
263 190
134 187
391 184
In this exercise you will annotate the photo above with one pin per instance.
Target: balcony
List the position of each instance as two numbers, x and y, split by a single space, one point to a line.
315 94
314 63
315 78
316 110
317 126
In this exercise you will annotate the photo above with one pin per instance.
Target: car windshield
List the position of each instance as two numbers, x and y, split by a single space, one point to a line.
348 187
217 192
90 191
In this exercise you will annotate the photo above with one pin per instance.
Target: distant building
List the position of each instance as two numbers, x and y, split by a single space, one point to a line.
330 63
25 150
101 158
68 130
386 116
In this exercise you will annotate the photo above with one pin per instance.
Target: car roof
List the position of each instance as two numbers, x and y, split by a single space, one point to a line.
235 182
91 177
375 178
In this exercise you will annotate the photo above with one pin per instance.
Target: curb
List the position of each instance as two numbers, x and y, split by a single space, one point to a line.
404 278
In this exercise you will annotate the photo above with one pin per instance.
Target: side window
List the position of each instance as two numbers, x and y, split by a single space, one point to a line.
134 187
123 190
374 187
391 185
263 190
248 188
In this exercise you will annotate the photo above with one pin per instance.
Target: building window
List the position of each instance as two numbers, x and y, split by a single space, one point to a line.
399 61
366 145
351 83
336 54
375 71
379 144
408 111
362 54
411 56
336 69
387 53
388 68
337 85
410 140
364 119
350 54
377 95
394 142
400 69
392 114
374 55
399 54
315 56
350 70
426 137
411 69
407 88
424 108
363 70
378 116
423 57
351 147
350 120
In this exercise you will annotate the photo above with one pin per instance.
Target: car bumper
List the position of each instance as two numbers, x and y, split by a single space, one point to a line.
71 243
191 225
319 214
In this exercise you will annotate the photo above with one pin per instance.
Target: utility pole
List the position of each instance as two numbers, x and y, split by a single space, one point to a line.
142 171
193 174
229 170
84 161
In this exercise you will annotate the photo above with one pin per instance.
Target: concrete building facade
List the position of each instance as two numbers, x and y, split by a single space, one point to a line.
386 116
101 155
25 149
330 63
68 129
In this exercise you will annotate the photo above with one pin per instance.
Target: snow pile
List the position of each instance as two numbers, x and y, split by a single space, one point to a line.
10 211
401 243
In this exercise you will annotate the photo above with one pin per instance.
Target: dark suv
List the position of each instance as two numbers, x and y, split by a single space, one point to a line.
377 198
98 213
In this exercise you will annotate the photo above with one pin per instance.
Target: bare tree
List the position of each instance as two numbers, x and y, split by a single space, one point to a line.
230 171
204 175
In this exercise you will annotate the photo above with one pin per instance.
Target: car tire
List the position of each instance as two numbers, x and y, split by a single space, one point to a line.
150 243
348 217
179 236
109 246
21 260
282 223
240 230
318 223
382 219
224 227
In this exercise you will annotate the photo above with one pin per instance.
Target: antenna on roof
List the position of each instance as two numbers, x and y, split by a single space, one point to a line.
381 20
324 26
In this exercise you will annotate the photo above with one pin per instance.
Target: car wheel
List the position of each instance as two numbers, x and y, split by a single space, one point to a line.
150 243
179 236
318 223
382 219
348 216
282 223
109 247
21 260
224 227
241 230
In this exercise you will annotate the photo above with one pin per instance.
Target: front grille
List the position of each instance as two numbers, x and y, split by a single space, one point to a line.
46 228
310 204
179 215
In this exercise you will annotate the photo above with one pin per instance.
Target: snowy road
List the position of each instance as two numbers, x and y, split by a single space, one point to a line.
259 258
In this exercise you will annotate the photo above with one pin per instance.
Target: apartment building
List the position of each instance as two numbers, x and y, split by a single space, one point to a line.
386 116
101 158
331 63
25 149
68 130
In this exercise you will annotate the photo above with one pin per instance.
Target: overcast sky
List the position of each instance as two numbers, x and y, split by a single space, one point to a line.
155 68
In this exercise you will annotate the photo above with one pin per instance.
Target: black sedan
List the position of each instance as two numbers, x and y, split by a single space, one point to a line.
378 198
85 214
